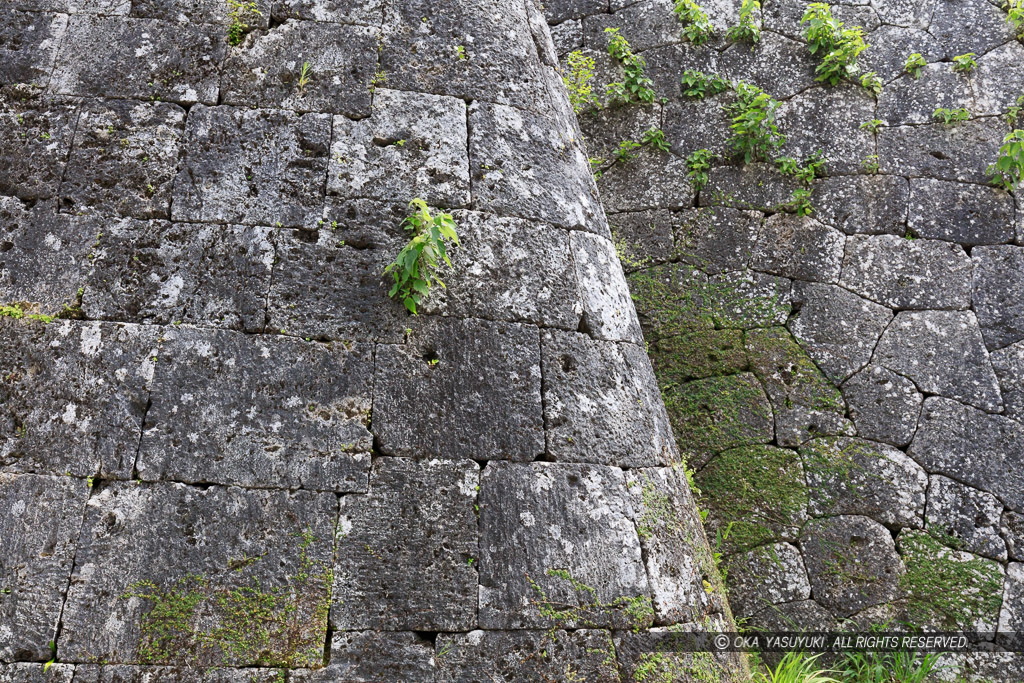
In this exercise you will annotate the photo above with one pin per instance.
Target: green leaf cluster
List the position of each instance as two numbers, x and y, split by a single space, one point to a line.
636 84
697 166
965 63
240 12
700 85
697 27
747 30
626 151
415 268
1015 16
915 62
949 116
655 137
755 135
1008 171
838 47
577 77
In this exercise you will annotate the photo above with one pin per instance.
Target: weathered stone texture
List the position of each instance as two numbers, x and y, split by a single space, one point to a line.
969 515
407 549
28 46
883 405
959 212
607 307
999 294
34 144
799 247
361 12
767 575
371 656
862 205
1008 363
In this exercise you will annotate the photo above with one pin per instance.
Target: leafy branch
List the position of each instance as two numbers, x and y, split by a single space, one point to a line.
415 268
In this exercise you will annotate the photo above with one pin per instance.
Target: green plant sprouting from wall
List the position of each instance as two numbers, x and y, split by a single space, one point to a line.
586 610
697 166
21 311
747 29
415 268
838 47
697 27
577 79
700 85
635 84
240 13
951 116
1008 170
1015 16
915 62
965 64
755 134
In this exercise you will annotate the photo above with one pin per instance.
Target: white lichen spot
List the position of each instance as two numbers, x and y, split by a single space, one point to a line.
527 519
92 340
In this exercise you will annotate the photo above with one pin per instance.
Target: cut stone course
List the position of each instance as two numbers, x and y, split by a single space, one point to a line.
371 656
959 212
361 12
607 306
862 205
959 153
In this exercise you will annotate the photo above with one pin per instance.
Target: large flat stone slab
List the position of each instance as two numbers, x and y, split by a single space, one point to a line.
466 367
607 305
964 213
361 12
74 396
970 516
252 166
1008 363
371 656
28 46
245 574
407 549
260 411
544 533
134 673
999 294
799 247
39 522
862 204
959 153
771 574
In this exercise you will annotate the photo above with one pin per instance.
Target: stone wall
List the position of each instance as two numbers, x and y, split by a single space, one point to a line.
225 453
847 385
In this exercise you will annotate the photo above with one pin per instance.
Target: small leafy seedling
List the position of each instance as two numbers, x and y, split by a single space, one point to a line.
696 25
240 12
871 82
1014 112
964 64
576 76
837 46
1008 171
655 137
626 151
701 85
304 77
697 166
870 164
415 268
800 202
636 83
871 126
460 53
755 134
914 64
747 30
949 116
1015 16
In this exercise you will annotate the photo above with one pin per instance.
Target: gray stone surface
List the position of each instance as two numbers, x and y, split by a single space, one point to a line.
541 523
370 656
197 11
272 412
999 294
39 527
643 238
34 148
960 152
100 58
219 545
654 179
1008 363
131 673
1012 529
124 159
837 328
74 396
884 406
913 101
837 111
1011 617
28 673
943 353
717 239
863 204
765 576
266 73
852 563
857 477
160 272
755 186
479 365
252 166
802 615
411 146
28 46
799 247
607 307
417 520
361 12
959 212
600 403
900 273
968 515
972 447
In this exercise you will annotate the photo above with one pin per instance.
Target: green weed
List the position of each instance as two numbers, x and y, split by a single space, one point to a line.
949 116
915 62
701 85
240 12
577 81
747 30
838 47
697 166
636 84
415 268
697 27
965 64
1008 170
755 134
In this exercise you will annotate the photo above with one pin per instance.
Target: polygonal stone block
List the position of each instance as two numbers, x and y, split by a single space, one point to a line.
960 212
607 307
767 575
756 186
862 204
174 574
1008 363
260 411
799 247
653 180
406 549
999 294
884 406
465 367
130 673
39 528
266 73
199 12
968 515
961 152
29 673
837 113
371 656
74 396
412 145
717 240
124 159
544 533
362 12
252 166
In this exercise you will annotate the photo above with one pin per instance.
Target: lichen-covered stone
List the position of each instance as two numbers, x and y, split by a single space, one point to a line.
997 78
1011 616
781 66
39 528
361 12
74 396
252 166
836 328
804 615
544 533
1012 529
960 212
101 58
29 673
600 403
567 36
862 204
341 60
747 299
857 477
767 575
643 238
717 239
160 272
914 100
411 146
523 165
804 402
269 412
852 563
837 113
884 406
606 128
406 549
646 24
901 273
691 124
133 673
891 45
999 294
1008 363
28 46
207 556
371 656
654 179
961 152
968 515
943 353
989 28
758 187
34 144
799 247
509 656
607 307
124 159
465 367
972 447
199 11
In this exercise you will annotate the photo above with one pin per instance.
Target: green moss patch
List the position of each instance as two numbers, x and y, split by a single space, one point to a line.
698 355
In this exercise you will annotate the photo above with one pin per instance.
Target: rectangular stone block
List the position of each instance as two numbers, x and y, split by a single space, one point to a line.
608 311
109 56
34 144
964 213
199 12
601 403
362 12
266 72
508 269
127 673
29 673
201 577
261 411
28 46
252 166
372 656
413 145
73 396
545 534
39 522
407 549
123 159
464 368
163 273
